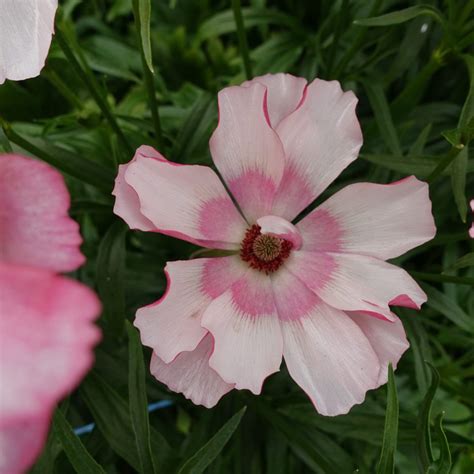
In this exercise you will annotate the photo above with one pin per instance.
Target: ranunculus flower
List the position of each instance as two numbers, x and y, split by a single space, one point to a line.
46 320
26 29
471 230
318 292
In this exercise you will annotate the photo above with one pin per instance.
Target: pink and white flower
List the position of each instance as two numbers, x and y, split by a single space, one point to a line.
46 320
316 292
26 30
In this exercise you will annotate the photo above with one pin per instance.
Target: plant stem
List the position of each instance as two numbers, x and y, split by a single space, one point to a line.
443 278
443 164
244 50
90 82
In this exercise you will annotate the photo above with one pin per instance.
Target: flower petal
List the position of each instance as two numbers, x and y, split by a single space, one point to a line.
357 283
173 323
46 341
35 228
387 338
186 201
127 203
325 352
245 149
471 230
26 29
191 375
380 220
21 442
284 93
320 138
246 331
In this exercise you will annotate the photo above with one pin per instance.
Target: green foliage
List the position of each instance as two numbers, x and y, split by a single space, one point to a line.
118 77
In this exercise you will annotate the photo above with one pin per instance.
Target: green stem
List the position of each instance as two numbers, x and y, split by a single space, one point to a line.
64 89
90 82
244 50
443 278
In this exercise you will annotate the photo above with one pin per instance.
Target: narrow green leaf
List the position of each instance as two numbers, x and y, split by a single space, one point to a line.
138 401
400 16
204 457
448 307
458 181
468 108
243 47
423 432
443 464
77 454
383 117
112 416
463 262
419 144
110 276
144 12
386 463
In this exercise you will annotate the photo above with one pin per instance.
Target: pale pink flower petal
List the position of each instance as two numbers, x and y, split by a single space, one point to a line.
191 375
356 282
246 150
127 203
26 29
47 337
321 138
21 442
279 227
381 220
35 228
185 201
284 94
325 352
471 230
173 323
388 340
244 324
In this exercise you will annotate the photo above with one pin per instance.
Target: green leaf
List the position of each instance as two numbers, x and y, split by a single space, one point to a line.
204 457
77 454
401 16
112 416
423 432
142 11
419 144
138 400
110 276
443 464
468 108
386 463
382 116
448 307
463 262
458 181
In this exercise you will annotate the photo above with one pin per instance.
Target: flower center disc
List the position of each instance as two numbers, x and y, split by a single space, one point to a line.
266 247
264 252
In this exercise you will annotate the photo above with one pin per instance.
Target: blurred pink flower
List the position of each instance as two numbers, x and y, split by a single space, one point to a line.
317 293
471 230
26 29
46 320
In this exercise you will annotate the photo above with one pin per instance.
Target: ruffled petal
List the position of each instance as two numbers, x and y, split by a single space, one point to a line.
246 150
284 93
246 331
380 220
191 375
320 138
127 203
325 352
46 340
26 30
357 283
35 228
173 323
387 338
185 201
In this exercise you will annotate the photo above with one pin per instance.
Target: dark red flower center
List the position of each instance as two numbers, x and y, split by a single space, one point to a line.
264 252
